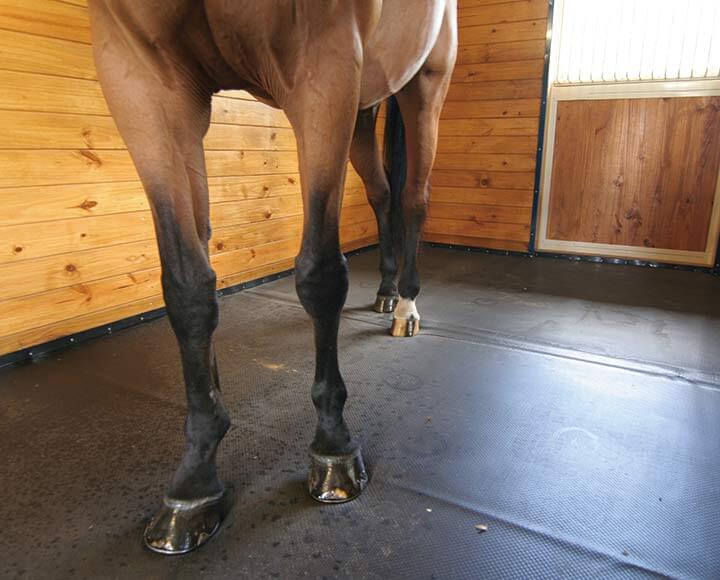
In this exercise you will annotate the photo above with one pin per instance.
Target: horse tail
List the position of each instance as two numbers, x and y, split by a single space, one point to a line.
395 154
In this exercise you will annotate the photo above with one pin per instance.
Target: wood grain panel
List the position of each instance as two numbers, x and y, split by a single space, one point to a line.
484 174
499 71
60 202
491 33
24 91
50 56
240 112
484 161
35 130
83 298
54 167
519 127
501 52
520 10
506 90
482 196
501 108
487 144
22 242
484 179
46 18
635 172
480 213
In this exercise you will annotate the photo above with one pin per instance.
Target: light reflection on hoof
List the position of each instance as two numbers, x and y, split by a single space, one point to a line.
336 478
181 526
385 304
405 327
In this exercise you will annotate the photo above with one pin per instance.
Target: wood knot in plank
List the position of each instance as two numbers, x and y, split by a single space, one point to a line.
87 205
91 158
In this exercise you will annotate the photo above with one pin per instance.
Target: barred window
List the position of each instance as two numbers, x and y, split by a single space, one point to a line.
635 40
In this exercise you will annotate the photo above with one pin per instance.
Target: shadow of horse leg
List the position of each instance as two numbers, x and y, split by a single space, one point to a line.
365 158
420 103
323 122
163 112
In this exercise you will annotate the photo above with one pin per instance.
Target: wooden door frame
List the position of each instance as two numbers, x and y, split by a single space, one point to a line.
708 258
608 91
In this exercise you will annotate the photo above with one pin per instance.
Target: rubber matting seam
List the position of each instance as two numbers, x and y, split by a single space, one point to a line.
512 342
556 539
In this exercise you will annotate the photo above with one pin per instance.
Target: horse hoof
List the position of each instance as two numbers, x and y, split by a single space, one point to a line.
405 326
336 478
385 304
184 525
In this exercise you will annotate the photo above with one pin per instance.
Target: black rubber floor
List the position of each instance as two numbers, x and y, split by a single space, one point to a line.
572 408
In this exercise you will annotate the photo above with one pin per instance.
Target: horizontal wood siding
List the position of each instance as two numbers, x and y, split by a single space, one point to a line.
485 168
77 247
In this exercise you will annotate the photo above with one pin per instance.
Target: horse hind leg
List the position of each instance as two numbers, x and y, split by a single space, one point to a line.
163 128
420 103
365 158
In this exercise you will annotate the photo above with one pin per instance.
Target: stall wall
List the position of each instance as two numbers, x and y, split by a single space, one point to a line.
485 170
77 248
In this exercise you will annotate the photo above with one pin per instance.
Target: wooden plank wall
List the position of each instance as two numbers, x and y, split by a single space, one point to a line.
635 172
485 169
77 248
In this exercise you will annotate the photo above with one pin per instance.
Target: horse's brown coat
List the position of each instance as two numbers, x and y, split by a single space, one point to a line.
327 63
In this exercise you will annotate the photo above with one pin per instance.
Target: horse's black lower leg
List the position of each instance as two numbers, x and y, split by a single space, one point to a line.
337 472
193 313
387 293
365 157
195 503
414 213
322 285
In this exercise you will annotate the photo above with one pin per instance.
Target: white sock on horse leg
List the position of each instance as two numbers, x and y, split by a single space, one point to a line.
406 309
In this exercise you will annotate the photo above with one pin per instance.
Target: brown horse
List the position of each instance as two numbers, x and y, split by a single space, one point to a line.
327 64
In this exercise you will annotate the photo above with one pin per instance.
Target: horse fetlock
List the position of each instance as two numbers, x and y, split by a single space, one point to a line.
385 303
329 395
208 428
332 438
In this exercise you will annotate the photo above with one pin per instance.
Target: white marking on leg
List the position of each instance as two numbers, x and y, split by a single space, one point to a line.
406 309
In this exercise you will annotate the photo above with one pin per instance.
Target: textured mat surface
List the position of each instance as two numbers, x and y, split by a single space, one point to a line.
573 409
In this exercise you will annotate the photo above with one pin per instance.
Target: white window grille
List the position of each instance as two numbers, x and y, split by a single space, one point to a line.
600 41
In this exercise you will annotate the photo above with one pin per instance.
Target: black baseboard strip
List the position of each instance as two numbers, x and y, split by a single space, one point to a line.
577 258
